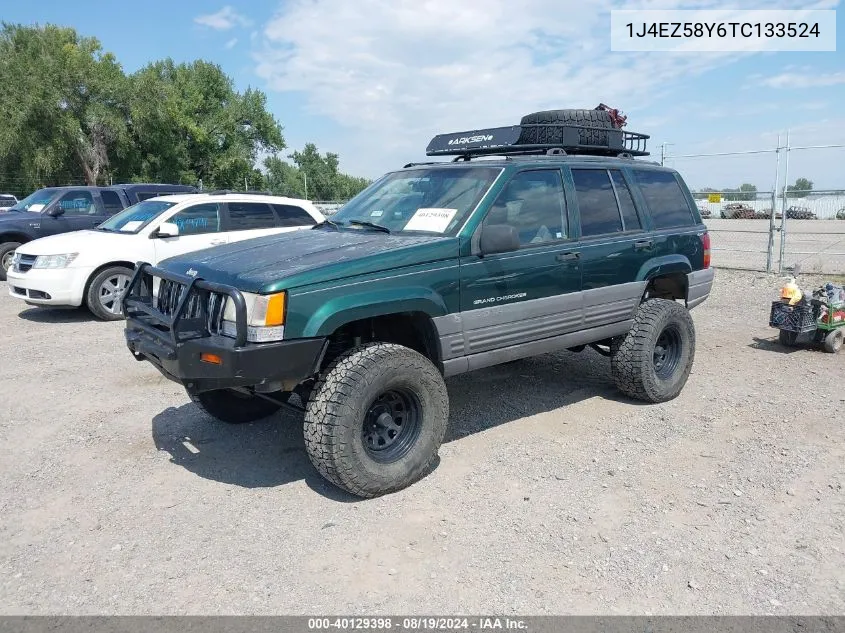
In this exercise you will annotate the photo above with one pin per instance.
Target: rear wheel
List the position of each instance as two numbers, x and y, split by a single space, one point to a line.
7 252
833 340
654 359
787 338
105 292
376 419
234 407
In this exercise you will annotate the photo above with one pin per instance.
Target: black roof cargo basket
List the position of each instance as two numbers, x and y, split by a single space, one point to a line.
541 138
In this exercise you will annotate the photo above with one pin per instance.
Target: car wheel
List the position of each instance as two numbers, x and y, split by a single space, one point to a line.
105 292
234 407
7 252
833 340
653 360
787 338
376 419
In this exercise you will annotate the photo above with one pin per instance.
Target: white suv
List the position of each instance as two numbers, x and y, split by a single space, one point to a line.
93 267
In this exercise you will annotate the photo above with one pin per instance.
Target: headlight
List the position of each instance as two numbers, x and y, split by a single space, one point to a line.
54 261
265 317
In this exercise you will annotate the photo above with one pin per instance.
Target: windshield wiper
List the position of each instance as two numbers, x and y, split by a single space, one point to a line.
371 225
327 222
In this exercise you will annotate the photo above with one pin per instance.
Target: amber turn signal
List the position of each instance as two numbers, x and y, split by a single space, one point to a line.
214 359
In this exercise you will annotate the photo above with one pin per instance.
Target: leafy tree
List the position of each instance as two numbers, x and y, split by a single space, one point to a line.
62 108
801 188
319 172
189 123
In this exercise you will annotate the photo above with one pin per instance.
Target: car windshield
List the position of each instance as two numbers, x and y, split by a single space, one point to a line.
136 217
434 200
35 202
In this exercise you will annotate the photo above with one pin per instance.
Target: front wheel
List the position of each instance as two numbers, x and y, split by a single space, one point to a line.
653 360
234 407
376 419
7 253
105 292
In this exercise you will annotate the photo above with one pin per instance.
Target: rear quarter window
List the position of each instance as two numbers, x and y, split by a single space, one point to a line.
665 199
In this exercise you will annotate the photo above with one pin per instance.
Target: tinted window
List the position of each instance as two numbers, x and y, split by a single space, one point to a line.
665 199
290 215
532 202
111 201
200 218
596 202
626 203
250 215
78 203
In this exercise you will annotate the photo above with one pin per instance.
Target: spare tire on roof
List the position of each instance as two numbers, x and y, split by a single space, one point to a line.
595 121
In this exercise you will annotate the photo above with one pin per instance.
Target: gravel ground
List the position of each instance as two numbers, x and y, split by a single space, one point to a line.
553 495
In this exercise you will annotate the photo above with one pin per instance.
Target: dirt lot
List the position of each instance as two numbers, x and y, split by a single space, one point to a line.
553 494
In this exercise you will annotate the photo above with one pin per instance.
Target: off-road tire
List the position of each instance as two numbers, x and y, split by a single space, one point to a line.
339 405
787 338
633 361
554 135
833 340
92 296
232 407
5 249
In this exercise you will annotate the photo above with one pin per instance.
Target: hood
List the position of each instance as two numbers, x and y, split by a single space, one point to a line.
287 260
73 242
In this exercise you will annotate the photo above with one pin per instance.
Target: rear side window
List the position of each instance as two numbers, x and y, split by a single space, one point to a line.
596 202
111 201
290 215
146 195
630 219
665 199
250 215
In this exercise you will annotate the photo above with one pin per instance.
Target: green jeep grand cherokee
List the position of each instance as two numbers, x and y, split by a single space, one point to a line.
552 242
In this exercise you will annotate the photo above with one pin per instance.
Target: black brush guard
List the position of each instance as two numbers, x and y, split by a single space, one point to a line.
187 308
183 323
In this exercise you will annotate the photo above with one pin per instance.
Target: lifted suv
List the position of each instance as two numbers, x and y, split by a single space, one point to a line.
434 270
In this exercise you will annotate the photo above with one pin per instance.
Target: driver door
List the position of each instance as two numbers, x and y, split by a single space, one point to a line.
79 211
199 227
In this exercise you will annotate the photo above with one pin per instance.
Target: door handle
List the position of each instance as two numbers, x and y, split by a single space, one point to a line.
643 245
568 257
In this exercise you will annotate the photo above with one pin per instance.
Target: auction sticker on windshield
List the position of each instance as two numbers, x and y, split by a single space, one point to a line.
435 220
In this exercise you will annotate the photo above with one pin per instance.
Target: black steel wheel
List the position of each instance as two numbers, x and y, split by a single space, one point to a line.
667 351
391 425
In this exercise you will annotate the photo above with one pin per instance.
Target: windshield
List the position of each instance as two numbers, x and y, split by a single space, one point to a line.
136 217
430 200
35 202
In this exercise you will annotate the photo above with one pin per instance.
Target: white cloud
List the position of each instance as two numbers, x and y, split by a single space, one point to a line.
806 79
225 19
231 43
400 71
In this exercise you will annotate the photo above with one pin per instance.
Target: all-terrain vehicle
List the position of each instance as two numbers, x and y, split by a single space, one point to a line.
535 238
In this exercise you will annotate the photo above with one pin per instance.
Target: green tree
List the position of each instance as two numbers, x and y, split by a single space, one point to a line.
62 111
801 188
189 123
319 172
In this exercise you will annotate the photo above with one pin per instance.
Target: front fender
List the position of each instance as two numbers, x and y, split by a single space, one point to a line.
664 265
345 309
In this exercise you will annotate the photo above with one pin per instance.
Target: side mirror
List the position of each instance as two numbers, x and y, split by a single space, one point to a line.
166 229
499 238
55 211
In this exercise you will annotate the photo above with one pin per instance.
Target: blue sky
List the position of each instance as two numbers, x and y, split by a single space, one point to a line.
373 80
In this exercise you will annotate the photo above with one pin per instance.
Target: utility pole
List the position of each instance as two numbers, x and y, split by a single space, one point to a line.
305 177
663 153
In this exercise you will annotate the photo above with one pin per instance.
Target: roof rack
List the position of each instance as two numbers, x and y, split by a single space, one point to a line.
223 192
562 139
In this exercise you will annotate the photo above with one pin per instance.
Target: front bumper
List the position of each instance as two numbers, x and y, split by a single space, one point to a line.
43 286
175 341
